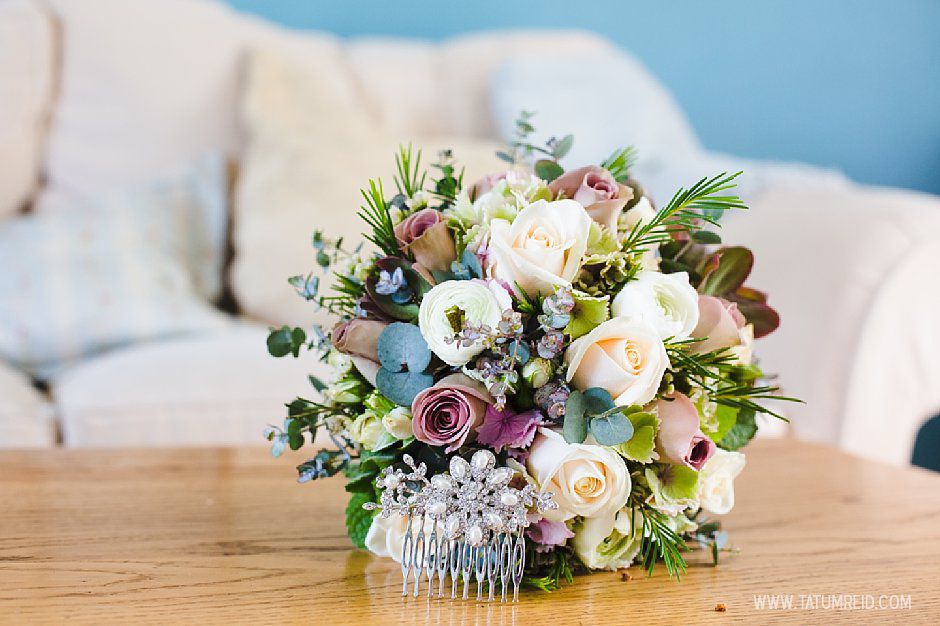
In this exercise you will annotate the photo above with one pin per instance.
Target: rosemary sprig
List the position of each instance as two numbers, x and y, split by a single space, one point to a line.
410 179
620 162
687 211
375 214
660 542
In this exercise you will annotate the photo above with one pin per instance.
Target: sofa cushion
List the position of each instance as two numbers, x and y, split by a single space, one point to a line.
300 174
217 389
26 417
120 269
26 68
145 86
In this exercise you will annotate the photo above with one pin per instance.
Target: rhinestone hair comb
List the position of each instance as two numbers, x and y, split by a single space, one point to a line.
466 524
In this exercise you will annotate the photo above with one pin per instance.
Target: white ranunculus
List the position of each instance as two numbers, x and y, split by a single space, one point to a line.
610 542
716 481
542 248
667 301
584 479
623 355
398 422
482 302
386 535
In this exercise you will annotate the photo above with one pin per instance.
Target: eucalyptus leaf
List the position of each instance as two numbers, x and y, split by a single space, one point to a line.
597 401
472 263
402 387
401 346
575 427
562 146
548 170
706 236
611 429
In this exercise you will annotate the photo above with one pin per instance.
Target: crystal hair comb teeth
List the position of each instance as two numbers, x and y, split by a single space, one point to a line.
467 524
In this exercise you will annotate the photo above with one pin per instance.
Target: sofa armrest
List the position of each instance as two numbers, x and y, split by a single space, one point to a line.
851 272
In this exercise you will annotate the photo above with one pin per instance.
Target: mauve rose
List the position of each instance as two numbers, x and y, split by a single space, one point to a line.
680 441
358 337
719 324
425 235
485 185
449 412
597 191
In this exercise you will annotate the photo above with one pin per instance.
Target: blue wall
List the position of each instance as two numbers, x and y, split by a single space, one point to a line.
853 84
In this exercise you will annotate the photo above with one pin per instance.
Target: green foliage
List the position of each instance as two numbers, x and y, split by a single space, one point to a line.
375 214
448 186
744 429
404 356
286 340
620 162
595 410
732 269
546 572
358 520
548 170
409 178
361 474
641 445
660 542
588 313
686 212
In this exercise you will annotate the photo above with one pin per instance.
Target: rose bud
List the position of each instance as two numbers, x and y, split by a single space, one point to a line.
597 191
680 440
358 337
425 235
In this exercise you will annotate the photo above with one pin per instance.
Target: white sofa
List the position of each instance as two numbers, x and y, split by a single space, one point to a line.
123 92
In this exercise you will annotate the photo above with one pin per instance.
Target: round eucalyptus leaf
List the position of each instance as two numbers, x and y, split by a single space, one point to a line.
402 387
401 347
612 429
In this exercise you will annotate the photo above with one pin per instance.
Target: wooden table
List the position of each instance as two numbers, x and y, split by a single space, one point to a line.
226 536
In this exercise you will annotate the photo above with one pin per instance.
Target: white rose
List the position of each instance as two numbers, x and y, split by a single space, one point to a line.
641 213
610 542
481 302
667 301
398 422
542 248
716 481
386 535
623 355
366 429
585 479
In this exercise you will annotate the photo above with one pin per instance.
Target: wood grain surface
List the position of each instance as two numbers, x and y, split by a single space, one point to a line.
226 536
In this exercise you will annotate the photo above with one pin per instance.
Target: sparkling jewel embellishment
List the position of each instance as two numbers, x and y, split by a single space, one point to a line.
477 523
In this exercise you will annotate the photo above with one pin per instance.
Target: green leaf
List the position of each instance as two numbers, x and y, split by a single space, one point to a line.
727 417
611 429
386 440
744 429
597 401
284 341
548 170
562 146
318 384
575 428
734 266
706 236
588 313
362 473
641 445
358 520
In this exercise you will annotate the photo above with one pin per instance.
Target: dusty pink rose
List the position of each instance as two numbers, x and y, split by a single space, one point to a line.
680 440
449 412
719 323
597 191
485 185
358 337
425 235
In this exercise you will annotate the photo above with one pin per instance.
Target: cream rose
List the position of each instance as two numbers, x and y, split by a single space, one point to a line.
716 481
623 355
584 479
482 302
641 213
667 301
542 248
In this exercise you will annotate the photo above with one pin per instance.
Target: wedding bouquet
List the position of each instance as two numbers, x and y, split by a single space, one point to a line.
587 352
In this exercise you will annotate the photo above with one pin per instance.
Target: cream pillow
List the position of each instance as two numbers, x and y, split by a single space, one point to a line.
26 51
311 146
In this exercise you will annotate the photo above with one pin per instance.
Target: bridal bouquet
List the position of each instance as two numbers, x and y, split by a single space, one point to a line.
542 354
